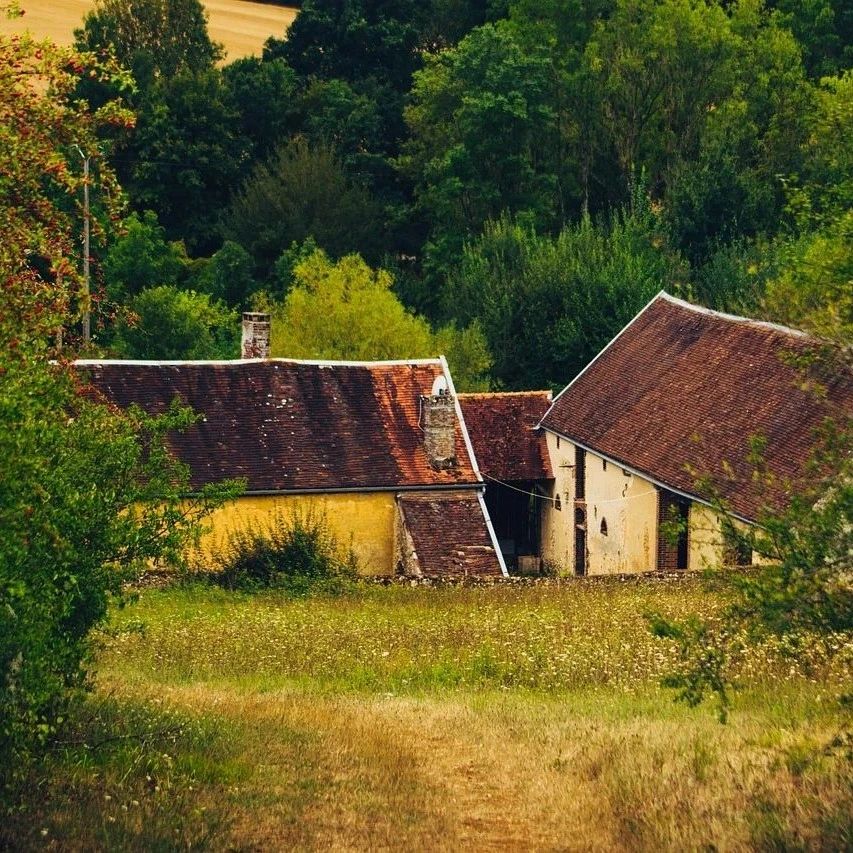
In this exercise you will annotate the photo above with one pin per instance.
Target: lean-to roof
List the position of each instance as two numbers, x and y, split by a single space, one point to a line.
450 535
680 392
294 426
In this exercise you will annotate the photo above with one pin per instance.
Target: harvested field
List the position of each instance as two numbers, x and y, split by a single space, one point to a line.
240 25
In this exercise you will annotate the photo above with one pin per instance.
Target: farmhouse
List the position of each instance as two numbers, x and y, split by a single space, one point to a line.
380 448
679 396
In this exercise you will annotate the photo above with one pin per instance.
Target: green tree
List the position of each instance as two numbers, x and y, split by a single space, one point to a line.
814 288
354 40
824 28
482 136
331 311
152 38
167 323
335 114
546 305
263 94
41 182
141 257
730 187
88 499
302 191
186 156
88 495
227 276
660 65
823 190
800 589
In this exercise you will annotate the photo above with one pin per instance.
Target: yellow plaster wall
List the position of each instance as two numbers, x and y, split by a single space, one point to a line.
362 521
557 530
628 503
704 538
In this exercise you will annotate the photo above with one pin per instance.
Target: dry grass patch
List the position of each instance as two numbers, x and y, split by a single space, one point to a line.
499 771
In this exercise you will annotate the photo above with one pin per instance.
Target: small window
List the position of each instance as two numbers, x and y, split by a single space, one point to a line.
557 504
603 464
603 527
558 442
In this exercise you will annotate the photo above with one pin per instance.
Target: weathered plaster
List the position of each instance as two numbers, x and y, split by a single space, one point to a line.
362 521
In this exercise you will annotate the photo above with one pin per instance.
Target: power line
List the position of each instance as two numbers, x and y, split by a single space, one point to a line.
552 500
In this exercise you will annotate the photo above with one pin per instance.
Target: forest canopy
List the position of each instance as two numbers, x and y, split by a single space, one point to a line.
539 168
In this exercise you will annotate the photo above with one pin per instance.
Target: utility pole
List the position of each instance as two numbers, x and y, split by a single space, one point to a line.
87 330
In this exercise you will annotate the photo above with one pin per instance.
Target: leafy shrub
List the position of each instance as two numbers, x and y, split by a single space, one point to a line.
296 552
89 498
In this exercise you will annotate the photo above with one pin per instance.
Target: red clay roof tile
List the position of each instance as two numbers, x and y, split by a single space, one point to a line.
449 534
290 425
502 429
680 392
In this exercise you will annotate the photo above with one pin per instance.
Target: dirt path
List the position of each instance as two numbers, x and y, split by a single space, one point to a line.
399 773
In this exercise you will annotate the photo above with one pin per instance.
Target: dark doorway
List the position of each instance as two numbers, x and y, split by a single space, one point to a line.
673 515
580 538
515 510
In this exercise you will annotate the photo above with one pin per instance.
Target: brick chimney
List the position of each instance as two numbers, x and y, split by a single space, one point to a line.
256 335
439 413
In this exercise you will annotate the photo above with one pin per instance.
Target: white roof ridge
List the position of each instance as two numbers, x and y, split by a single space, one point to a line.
734 318
92 362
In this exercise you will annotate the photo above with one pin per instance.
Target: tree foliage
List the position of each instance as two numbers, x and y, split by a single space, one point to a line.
43 129
331 311
88 498
481 123
302 191
151 38
802 587
548 305
141 257
186 157
88 495
165 323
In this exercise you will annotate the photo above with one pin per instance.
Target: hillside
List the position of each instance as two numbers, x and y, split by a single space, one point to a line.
240 25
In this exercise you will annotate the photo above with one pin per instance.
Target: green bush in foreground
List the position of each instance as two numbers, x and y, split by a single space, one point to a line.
801 592
89 498
298 553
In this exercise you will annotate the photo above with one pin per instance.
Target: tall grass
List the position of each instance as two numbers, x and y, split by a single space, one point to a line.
495 718
548 637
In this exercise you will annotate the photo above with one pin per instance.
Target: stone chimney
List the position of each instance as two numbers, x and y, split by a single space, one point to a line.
256 335
439 414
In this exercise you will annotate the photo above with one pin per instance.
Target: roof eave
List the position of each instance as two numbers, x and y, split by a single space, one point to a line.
434 487
647 476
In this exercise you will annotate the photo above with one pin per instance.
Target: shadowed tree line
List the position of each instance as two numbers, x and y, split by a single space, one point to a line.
530 172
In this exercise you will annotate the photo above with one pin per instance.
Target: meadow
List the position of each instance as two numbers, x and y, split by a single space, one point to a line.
502 717
240 25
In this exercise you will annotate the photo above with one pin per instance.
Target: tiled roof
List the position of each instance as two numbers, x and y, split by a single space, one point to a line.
502 429
291 425
683 387
449 534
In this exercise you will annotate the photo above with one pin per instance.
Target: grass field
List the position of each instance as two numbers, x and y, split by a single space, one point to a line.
240 25
497 718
